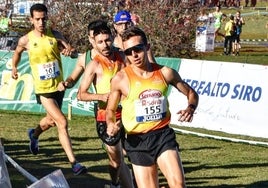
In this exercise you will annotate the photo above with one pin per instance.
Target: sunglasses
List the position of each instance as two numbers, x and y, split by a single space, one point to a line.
137 49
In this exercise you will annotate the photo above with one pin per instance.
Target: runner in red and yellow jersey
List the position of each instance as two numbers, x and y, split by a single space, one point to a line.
99 72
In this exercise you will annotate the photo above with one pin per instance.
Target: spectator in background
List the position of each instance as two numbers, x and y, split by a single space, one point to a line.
5 22
229 35
239 21
246 3
122 20
237 3
253 3
202 2
202 17
218 17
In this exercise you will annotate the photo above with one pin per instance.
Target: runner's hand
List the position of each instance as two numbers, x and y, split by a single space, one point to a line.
113 128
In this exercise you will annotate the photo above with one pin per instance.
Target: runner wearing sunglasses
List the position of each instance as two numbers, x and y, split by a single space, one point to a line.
141 88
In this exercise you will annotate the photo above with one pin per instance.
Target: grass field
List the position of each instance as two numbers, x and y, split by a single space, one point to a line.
249 54
207 162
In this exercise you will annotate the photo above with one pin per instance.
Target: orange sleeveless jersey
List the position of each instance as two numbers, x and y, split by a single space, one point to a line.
146 106
103 86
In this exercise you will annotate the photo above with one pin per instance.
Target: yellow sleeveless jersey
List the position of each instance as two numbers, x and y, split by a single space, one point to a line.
146 106
45 62
103 86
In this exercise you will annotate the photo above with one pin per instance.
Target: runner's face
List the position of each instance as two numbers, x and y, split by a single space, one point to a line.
39 21
103 43
121 27
135 50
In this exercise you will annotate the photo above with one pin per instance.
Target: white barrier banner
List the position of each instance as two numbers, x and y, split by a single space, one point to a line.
233 97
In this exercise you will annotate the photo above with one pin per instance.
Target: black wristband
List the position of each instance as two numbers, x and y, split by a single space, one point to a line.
192 106
70 84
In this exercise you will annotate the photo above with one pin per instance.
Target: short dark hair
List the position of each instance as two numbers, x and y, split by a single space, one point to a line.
134 31
101 29
96 23
38 7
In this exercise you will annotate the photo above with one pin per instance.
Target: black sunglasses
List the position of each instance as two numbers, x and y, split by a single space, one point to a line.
137 49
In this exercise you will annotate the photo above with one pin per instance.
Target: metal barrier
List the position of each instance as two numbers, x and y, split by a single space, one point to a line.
9 40
4 176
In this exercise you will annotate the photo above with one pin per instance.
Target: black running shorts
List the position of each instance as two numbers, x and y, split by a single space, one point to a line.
144 149
57 96
101 127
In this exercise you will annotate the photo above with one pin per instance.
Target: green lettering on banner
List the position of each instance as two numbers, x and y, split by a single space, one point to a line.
9 87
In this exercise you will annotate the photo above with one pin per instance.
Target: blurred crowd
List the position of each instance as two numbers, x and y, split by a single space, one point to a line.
228 3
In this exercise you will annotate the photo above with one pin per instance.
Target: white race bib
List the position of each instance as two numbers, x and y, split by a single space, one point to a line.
48 70
151 109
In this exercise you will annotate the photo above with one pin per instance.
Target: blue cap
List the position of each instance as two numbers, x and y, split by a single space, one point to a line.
122 16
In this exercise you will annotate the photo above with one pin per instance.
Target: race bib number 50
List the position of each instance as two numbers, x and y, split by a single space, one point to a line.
150 109
49 70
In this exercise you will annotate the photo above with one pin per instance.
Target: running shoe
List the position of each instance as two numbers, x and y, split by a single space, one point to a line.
33 142
77 169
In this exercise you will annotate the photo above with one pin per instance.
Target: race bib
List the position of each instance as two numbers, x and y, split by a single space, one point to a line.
48 70
151 109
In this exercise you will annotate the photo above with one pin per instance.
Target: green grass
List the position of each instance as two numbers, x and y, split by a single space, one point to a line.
249 54
255 27
208 163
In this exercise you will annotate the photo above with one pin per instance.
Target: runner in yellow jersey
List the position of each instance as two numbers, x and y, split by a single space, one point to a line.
43 46
142 88
99 72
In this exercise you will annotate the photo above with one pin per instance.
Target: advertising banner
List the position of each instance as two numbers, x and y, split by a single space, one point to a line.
19 94
233 96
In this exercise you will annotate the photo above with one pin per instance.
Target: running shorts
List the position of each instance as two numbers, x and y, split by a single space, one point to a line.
144 149
57 96
101 127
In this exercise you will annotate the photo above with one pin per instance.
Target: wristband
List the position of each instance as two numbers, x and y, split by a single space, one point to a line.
192 106
70 84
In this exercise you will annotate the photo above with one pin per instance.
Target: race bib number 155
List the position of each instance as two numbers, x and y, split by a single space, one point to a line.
151 109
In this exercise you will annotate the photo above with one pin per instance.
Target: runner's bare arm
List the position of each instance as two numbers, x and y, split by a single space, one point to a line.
22 45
